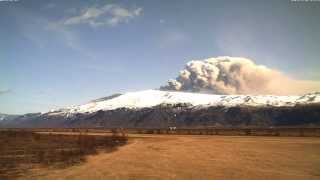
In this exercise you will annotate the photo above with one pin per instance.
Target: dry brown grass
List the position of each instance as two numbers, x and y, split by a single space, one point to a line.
21 151
200 157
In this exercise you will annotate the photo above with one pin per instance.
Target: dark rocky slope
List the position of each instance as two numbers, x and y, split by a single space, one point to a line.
179 115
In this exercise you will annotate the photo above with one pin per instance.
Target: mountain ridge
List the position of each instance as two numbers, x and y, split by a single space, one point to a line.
160 109
150 98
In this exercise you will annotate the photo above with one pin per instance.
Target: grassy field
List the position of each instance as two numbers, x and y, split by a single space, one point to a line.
74 155
198 157
22 151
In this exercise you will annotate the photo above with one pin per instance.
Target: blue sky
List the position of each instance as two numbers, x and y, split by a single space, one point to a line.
60 53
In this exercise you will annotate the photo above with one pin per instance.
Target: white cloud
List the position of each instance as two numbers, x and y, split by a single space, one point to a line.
107 15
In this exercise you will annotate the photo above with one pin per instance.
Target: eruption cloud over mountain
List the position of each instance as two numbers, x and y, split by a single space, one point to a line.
236 75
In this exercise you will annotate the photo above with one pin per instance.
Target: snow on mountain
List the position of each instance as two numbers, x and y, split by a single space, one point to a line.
7 117
149 98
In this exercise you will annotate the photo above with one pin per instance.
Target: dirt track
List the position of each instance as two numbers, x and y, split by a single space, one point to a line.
200 157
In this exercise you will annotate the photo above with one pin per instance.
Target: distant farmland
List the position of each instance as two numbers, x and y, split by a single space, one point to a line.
247 131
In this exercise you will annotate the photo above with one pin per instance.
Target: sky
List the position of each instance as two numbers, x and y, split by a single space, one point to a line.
58 53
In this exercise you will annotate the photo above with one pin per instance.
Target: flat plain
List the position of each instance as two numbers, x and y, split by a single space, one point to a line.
198 157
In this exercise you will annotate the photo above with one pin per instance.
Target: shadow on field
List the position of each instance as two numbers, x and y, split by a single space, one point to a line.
23 150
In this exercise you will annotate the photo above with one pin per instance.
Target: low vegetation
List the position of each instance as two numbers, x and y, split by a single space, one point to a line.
24 150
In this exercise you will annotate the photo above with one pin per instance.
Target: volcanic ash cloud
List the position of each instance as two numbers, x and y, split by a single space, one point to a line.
236 75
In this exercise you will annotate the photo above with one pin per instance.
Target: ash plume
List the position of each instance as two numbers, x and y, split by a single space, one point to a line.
236 75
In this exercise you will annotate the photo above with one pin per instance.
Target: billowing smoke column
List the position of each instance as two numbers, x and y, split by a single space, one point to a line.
235 75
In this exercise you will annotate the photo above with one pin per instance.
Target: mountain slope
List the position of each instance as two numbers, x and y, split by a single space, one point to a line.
150 98
160 109
4 117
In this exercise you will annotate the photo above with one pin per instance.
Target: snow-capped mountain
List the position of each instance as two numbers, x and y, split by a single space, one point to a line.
7 117
160 109
150 98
